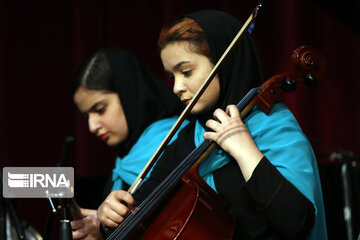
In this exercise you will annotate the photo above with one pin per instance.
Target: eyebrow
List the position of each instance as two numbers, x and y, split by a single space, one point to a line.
177 66
93 107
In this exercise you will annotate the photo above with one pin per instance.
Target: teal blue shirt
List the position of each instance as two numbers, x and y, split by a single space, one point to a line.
280 138
128 168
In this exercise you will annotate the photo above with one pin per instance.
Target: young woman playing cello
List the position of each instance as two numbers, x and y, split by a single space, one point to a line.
265 167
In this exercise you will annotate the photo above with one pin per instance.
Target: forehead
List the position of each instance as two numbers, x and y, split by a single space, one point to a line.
179 54
177 50
85 98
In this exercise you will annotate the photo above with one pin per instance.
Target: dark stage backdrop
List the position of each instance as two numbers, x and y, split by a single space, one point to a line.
42 43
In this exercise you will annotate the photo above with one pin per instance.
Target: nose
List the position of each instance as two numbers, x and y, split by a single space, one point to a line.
94 124
179 87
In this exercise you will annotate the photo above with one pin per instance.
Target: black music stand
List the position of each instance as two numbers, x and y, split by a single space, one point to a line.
350 181
62 203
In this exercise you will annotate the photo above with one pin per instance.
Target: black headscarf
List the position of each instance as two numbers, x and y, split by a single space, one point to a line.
241 72
145 97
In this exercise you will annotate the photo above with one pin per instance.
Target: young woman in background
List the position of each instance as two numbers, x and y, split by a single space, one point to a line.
127 107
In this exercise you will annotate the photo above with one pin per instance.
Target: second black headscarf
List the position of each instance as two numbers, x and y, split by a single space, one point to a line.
144 96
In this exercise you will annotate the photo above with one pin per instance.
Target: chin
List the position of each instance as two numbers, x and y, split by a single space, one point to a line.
202 107
112 144
197 111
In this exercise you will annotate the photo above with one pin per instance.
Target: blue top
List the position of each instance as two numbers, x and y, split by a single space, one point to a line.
280 138
128 168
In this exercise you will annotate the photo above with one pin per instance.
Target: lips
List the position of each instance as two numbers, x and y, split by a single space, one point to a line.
103 137
186 101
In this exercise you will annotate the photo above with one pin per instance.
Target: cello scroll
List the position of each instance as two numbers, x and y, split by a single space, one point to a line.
308 63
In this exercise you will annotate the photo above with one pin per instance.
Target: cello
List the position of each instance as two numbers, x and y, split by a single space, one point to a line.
183 206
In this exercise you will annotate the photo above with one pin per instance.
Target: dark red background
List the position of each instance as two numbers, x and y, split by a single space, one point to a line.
43 42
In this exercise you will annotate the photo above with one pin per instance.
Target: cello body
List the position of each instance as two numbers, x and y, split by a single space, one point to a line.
190 212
